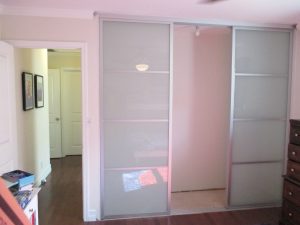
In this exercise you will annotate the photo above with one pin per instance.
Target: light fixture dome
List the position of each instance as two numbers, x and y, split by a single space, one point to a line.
142 67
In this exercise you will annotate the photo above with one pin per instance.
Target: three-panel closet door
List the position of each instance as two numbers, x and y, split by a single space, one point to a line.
259 115
135 118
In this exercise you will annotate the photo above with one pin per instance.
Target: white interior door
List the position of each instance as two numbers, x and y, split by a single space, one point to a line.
8 147
54 113
71 111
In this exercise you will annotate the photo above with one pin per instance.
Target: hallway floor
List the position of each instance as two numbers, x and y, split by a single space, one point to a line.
60 200
60 203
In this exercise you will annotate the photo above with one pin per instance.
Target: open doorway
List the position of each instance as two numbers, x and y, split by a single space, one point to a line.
202 76
65 129
76 168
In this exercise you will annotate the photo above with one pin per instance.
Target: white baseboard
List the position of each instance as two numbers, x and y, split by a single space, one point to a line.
45 174
92 216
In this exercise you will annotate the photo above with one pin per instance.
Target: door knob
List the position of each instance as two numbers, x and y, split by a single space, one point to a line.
57 119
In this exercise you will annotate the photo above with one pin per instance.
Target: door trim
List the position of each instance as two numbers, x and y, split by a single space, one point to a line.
171 29
88 214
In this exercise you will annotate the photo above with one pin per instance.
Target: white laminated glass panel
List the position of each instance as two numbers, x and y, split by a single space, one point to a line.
258 135
130 44
132 192
136 96
256 184
262 52
135 144
256 141
261 97
135 118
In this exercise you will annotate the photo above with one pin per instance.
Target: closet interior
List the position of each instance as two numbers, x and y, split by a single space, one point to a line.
201 108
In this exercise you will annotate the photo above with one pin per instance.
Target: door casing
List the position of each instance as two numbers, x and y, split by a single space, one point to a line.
88 214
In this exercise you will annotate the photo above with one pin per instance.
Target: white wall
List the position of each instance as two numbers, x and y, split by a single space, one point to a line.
33 125
71 30
201 108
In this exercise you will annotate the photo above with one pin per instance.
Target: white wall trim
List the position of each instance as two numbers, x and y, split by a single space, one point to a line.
92 215
46 12
86 121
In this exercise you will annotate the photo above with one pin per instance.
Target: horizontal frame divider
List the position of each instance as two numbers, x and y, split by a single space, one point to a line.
261 75
136 121
157 72
134 168
258 162
259 119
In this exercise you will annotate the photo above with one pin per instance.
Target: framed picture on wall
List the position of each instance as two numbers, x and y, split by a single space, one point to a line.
39 91
27 91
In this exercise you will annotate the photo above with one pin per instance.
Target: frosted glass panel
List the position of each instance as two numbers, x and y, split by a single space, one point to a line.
260 97
136 96
135 132
262 52
131 192
136 43
255 141
259 116
136 144
256 184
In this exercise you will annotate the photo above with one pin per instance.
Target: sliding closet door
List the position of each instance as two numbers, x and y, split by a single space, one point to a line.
259 115
135 121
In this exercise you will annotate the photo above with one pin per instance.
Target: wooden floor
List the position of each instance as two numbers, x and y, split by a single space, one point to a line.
60 200
60 203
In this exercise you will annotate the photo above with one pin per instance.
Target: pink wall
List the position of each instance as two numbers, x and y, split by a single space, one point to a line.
201 108
71 30
295 90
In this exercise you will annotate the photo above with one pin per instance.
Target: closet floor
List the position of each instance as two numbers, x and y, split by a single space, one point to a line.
197 201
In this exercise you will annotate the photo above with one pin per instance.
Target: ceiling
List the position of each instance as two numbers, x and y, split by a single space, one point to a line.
243 11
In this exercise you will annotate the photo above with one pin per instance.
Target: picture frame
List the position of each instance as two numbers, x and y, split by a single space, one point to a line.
39 91
27 91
